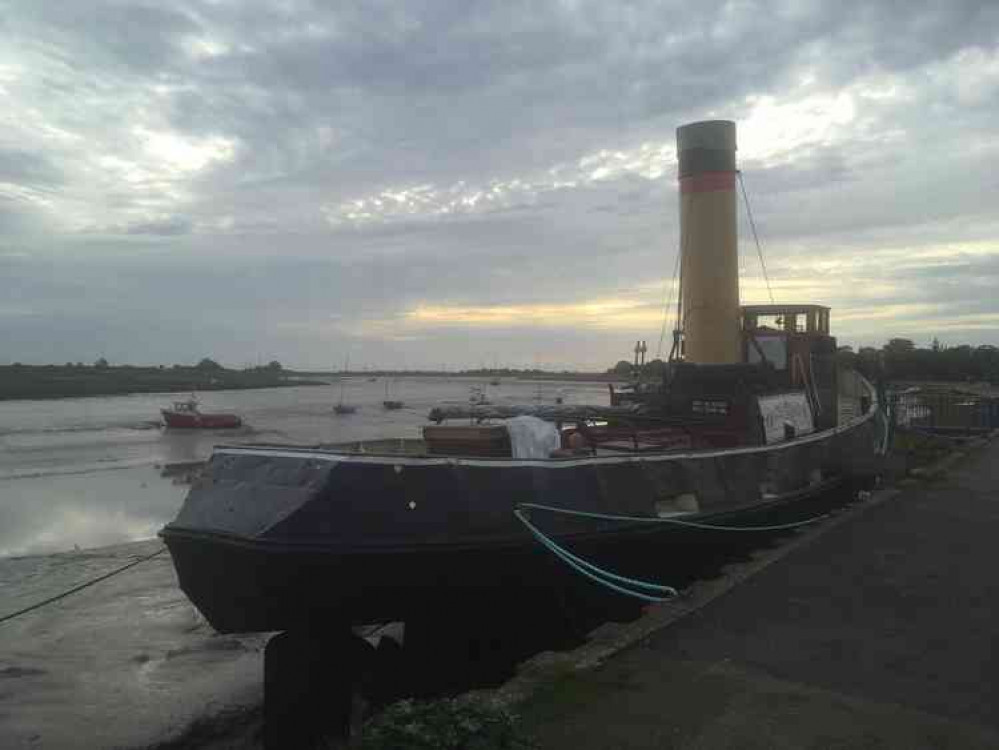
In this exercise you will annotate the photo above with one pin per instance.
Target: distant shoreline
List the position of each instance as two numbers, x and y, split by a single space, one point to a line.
165 390
579 377
43 382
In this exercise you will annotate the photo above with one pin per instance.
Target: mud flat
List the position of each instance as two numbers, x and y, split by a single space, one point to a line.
125 663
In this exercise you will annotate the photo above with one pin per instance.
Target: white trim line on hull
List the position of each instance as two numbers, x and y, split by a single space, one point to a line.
550 463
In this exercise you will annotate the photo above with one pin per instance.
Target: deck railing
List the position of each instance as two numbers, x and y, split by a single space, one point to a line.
944 411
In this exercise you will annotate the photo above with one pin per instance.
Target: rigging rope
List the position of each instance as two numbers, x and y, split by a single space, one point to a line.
756 237
80 587
678 321
669 304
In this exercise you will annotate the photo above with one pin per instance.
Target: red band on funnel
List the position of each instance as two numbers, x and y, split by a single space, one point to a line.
707 182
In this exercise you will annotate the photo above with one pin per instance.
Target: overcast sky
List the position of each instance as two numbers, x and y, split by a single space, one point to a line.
463 183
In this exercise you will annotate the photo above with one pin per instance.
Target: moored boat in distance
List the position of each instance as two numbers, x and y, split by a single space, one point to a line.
188 415
477 395
391 404
342 408
748 429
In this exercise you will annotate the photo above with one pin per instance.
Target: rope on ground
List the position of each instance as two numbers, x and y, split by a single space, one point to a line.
673 521
596 574
80 587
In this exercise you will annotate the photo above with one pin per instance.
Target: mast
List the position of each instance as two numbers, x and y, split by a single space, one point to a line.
346 367
709 263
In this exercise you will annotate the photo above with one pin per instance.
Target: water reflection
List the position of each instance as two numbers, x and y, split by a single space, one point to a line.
183 473
51 513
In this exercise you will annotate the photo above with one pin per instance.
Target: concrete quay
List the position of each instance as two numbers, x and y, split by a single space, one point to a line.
880 631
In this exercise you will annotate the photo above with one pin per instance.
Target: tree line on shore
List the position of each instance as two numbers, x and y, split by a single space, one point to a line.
102 379
901 360
898 360
21 381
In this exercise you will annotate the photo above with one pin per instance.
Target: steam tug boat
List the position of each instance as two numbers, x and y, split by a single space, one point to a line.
751 424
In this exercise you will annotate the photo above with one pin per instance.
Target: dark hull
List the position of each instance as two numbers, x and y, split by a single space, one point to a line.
244 586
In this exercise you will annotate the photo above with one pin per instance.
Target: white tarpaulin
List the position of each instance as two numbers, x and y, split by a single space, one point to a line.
531 437
785 409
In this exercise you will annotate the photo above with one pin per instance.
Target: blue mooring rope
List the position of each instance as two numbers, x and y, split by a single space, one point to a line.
611 580
599 575
674 521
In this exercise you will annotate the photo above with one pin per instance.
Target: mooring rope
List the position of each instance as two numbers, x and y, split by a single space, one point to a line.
617 582
80 587
674 521
595 573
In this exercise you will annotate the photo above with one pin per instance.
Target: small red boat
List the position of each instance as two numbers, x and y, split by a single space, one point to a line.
185 414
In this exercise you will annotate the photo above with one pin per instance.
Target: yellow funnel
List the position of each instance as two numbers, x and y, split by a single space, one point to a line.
709 262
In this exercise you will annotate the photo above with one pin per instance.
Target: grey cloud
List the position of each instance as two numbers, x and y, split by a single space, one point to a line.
483 72
448 47
332 102
28 168
901 200
477 89
19 217
141 38
286 306
167 227
818 169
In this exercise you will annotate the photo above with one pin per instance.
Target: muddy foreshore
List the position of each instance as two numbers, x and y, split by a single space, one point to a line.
125 663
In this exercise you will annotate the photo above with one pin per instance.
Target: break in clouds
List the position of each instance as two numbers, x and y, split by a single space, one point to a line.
478 182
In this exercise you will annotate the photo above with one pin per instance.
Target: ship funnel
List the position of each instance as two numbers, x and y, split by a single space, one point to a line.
709 263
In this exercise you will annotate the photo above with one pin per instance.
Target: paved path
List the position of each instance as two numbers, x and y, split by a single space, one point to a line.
881 633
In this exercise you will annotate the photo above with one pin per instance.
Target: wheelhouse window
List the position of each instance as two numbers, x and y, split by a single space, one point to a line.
774 348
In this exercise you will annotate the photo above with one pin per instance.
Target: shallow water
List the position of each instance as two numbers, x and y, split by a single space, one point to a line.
89 472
